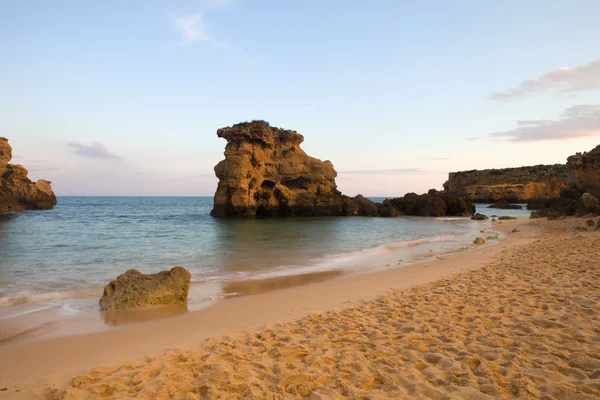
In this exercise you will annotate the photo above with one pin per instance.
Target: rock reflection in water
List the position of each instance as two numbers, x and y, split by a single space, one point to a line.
123 317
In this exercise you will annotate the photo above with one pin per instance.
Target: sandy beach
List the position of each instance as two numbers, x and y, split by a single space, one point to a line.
517 319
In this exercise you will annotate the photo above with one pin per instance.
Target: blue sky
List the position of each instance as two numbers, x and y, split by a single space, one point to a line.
125 97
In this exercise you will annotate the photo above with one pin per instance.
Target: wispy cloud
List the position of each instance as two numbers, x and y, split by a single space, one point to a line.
383 171
94 150
584 77
577 121
43 169
472 139
202 176
193 28
142 173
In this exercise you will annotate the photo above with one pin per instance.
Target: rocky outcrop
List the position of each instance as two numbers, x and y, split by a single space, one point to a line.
583 174
432 204
266 173
580 196
515 185
134 289
17 192
561 207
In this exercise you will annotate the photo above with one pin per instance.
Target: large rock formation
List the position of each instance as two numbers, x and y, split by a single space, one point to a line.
583 173
580 196
17 191
515 185
134 289
266 173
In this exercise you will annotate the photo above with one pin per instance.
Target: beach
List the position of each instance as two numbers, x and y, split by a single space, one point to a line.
517 319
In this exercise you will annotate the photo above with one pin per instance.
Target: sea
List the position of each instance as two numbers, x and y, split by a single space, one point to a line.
60 259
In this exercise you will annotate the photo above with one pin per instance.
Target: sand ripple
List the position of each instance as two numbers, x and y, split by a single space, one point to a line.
525 326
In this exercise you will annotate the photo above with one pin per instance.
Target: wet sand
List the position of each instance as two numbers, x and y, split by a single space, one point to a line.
520 318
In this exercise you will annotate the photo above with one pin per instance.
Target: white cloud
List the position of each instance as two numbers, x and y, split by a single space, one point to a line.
95 150
577 121
191 28
581 78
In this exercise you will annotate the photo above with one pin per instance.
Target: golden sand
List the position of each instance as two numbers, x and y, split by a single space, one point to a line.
526 325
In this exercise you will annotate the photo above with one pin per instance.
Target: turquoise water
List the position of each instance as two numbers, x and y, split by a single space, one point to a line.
55 257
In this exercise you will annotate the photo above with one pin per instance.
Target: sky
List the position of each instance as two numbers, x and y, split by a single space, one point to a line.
125 97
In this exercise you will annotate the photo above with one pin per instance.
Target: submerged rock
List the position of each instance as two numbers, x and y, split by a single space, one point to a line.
479 240
479 217
134 289
17 192
504 217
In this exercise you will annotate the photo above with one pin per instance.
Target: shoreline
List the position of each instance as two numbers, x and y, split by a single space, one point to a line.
36 365
80 315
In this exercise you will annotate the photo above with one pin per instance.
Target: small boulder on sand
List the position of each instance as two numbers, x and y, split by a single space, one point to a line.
134 289
479 240
479 217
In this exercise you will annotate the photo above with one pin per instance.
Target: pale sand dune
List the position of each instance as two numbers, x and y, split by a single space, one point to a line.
526 325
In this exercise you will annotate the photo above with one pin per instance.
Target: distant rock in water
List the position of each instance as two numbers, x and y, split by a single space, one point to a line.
505 205
432 204
515 185
266 173
134 289
17 192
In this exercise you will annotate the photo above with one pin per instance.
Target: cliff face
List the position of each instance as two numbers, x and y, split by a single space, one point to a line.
514 185
583 172
17 191
266 173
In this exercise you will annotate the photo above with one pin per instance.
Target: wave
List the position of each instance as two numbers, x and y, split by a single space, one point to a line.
349 261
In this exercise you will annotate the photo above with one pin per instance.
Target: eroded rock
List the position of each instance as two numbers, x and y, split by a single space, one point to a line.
266 173
135 289
17 192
